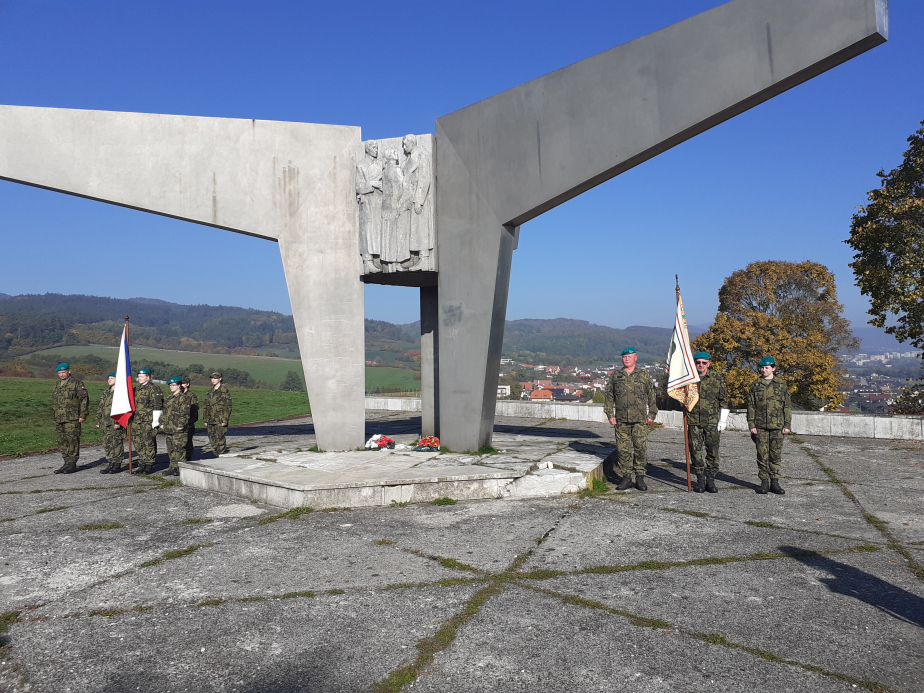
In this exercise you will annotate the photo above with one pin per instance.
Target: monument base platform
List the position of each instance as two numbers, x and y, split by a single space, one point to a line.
380 478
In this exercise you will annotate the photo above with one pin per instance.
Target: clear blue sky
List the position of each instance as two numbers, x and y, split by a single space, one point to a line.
779 182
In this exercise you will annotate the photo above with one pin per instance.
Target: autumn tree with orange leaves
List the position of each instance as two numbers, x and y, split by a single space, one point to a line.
786 310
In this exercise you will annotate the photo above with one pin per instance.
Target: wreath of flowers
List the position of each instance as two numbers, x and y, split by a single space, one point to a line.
427 444
380 442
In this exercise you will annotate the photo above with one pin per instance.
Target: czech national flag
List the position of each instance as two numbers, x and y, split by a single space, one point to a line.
123 397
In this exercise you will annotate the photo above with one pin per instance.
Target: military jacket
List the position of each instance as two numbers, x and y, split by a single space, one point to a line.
217 405
176 412
630 397
103 411
713 397
769 406
148 399
70 401
193 407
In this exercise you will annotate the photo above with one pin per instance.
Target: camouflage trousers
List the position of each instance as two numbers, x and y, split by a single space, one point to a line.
190 432
176 447
144 439
114 444
704 449
769 452
632 447
68 440
217 438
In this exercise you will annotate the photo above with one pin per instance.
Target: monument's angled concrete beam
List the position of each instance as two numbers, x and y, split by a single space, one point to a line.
247 176
548 140
513 156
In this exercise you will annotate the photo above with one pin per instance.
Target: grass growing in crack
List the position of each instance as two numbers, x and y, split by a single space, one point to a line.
335 591
722 641
108 613
295 595
51 510
428 648
453 564
196 521
692 513
7 519
292 514
596 488
108 525
175 553
445 500
759 523
212 602
402 504
6 620
384 542
487 450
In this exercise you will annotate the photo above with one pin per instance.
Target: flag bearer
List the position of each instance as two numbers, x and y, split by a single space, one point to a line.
769 418
149 405
705 422
71 406
113 433
217 414
630 406
193 416
174 423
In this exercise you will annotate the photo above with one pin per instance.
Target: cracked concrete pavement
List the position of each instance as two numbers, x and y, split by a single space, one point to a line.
119 583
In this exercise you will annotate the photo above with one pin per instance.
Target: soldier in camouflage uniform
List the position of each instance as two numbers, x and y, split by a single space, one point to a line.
769 419
113 433
149 405
630 406
704 424
71 406
173 423
217 414
193 417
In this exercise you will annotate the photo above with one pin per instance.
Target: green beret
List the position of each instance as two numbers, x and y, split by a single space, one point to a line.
767 361
216 374
63 367
701 355
111 375
630 350
144 371
175 380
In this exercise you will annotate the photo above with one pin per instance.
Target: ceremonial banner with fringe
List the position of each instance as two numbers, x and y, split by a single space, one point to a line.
682 377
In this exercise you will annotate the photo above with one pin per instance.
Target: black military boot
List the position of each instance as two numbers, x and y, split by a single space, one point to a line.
640 483
106 470
776 488
700 485
139 470
60 470
625 483
116 468
764 487
69 468
710 483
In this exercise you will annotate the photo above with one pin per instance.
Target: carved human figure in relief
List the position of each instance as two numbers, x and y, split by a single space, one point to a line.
369 197
394 247
417 206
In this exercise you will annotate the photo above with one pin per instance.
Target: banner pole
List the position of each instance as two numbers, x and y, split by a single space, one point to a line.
686 436
129 421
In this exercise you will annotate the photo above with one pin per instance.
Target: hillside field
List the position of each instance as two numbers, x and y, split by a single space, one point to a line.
26 423
267 368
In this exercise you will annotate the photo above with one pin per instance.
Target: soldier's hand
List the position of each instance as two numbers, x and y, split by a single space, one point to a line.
649 421
224 425
79 420
97 425
785 431
613 421
753 431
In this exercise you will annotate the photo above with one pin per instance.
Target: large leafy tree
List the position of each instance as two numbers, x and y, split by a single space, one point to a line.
786 310
888 237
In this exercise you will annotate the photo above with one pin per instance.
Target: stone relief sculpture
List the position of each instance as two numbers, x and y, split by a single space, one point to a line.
397 224
369 198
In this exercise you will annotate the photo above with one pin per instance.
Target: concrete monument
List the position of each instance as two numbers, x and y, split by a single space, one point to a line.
437 212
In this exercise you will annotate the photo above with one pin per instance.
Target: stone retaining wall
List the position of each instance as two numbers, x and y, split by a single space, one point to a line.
812 423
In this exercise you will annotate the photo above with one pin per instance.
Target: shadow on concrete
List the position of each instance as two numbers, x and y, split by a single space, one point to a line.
721 476
853 582
544 431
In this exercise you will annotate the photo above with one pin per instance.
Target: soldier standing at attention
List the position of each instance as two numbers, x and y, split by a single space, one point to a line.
217 414
193 417
630 406
173 423
149 405
71 406
769 418
113 433
705 424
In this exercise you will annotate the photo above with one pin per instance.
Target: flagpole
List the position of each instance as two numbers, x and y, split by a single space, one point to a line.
129 421
686 437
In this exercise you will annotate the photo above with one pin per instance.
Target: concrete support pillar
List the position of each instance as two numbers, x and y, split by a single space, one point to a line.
429 360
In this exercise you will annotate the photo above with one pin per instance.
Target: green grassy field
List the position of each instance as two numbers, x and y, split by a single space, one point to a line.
26 424
269 369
